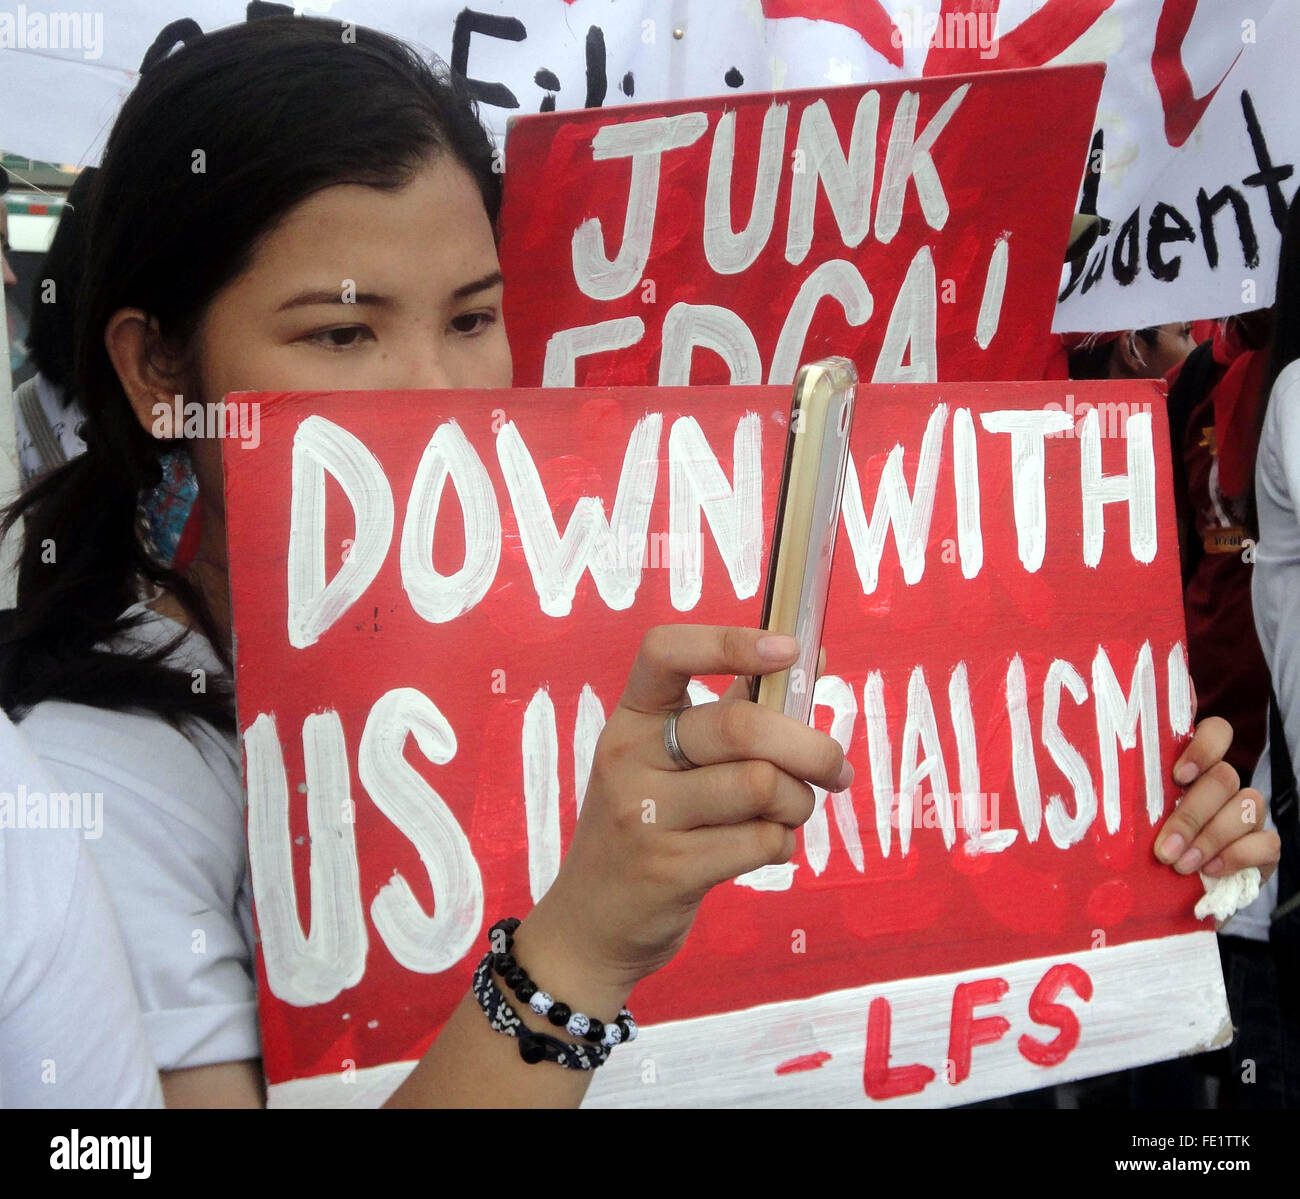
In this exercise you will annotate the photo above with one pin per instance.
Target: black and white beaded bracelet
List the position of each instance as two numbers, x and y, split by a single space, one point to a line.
533 1046
576 1024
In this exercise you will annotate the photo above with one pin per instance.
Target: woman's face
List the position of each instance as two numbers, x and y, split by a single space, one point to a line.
360 289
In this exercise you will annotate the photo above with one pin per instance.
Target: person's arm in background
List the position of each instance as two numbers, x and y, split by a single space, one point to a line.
223 1084
71 1034
169 846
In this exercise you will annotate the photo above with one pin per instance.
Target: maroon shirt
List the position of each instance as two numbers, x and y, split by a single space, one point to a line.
1227 665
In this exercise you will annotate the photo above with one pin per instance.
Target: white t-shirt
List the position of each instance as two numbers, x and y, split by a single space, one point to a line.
172 857
48 429
1275 594
71 1033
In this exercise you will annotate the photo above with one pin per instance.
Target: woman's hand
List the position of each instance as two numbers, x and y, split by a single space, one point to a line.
652 837
1218 826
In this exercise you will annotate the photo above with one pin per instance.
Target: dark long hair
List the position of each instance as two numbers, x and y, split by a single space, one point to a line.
218 141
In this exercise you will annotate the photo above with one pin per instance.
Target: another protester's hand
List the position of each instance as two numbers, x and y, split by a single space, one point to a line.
653 838
1218 826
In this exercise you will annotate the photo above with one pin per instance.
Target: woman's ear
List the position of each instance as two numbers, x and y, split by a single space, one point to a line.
149 371
1128 356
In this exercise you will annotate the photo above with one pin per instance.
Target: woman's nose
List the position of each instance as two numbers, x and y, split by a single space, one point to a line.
422 367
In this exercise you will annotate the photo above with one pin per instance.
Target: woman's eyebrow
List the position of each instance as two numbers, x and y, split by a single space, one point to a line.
478 285
307 298
303 299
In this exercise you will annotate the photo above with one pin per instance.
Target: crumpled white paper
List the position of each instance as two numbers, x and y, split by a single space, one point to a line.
1228 894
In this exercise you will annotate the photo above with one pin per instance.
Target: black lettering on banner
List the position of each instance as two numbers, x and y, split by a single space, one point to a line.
549 81
468 23
1096 268
1088 207
1268 176
1092 180
1124 257
1209 206
1167 224
1076 273
597 84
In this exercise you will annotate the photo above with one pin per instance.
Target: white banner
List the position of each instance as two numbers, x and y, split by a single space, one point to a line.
1193 159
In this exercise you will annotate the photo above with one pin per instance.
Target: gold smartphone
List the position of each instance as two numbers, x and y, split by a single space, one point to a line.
807 521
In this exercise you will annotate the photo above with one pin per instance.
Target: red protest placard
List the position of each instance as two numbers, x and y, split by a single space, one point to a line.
918 228
430 598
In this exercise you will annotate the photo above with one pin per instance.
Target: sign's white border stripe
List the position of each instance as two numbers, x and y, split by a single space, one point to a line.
1151 1000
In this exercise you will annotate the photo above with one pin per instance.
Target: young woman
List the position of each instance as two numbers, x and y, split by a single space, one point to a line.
247 177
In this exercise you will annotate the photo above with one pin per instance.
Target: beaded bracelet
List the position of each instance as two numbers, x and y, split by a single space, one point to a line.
533 1046
576 1024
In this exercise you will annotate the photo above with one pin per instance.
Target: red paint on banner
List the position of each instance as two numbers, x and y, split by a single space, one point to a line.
880 1080
870 19
967 1030
1055 1015
1048 31
808 1061
1183 107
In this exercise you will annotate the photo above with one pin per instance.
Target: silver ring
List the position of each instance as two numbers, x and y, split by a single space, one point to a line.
671 744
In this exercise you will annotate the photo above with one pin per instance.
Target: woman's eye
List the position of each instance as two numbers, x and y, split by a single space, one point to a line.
473 322
342 338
